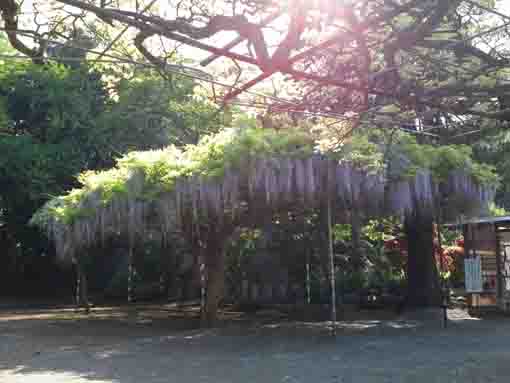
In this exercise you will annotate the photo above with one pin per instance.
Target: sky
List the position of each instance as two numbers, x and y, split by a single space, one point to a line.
504 6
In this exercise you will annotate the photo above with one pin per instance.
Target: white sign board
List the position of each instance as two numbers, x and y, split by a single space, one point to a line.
473 274
506 268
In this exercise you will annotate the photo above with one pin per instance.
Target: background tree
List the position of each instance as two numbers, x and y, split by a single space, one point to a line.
58 120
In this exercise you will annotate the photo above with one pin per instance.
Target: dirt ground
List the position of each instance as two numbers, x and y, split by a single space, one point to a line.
152 344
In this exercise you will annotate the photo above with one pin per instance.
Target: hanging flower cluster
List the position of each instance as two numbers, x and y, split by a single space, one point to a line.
238 174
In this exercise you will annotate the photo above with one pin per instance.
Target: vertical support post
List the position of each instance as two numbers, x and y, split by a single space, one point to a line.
308 289
130 274
307 265
444 269
499 281
472 251
163 276
203 284
78 286
331 268
467 253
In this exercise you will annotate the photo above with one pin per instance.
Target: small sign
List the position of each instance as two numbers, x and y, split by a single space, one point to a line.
506 268
473 274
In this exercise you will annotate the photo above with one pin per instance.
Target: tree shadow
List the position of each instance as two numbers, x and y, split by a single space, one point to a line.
152 344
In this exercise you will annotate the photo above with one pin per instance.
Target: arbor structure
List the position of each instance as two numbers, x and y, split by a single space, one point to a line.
436 68
240 178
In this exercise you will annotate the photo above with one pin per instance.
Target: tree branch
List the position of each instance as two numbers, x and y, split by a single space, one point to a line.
154 24
139 40
291 40
409 37
462 50
9 11
464 89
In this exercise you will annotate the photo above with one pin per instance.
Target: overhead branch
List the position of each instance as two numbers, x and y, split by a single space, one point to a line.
384 15
487 9
463 49
503 115
290 62
240 39
291 40
409 37
461 88
139 40
462 108
9 11
168 28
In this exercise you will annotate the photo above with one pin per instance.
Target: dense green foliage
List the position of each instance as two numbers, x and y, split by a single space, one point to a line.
494 149
47 136
57 121
5 47
407 156
168 108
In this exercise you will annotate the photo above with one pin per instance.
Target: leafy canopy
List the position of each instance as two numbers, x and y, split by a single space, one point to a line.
232 149
406 156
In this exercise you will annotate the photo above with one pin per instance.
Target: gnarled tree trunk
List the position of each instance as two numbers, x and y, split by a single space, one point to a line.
215 268
423 278
82 296
168 276
214 256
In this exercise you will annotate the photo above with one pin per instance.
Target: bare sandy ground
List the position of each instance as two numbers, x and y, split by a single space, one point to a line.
152 345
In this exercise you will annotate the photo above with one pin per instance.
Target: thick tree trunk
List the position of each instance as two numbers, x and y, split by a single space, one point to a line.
82 295
167 279
422 274
85 292
215 268
214 255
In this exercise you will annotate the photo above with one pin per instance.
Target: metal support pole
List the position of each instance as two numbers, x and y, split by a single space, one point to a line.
500 279
331 269
78 286
203 281
307 265
308 290
444 268
130 275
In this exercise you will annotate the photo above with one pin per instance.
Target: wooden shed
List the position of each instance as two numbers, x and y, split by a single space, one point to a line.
487 262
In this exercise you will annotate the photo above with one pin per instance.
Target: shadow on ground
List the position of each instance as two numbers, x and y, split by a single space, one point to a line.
162 344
